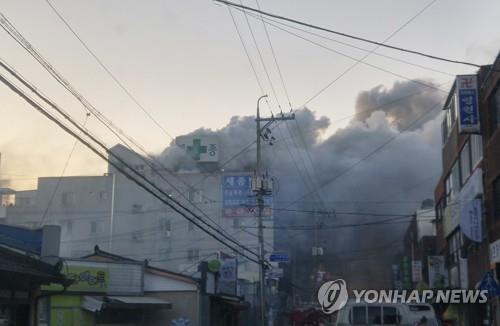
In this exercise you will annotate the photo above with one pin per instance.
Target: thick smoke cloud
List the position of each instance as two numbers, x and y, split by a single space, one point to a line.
415 98
348 178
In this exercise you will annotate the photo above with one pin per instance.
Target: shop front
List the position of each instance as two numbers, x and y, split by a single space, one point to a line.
102 293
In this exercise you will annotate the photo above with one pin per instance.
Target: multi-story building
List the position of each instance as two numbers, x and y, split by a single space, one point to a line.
113 212
468 192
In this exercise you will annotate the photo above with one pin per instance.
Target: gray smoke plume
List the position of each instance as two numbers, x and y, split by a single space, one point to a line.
389 101
341 175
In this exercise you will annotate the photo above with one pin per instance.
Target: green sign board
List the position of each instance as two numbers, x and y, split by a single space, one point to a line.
86 277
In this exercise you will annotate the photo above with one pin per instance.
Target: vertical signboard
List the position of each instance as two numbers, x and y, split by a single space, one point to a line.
416 271
471 215
396 277
467 104
228 274
438 277
406 273
238 199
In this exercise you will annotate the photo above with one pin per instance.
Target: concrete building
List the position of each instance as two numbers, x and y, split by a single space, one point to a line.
468 193
113 212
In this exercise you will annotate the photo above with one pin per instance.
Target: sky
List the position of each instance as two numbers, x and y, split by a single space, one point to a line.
185 64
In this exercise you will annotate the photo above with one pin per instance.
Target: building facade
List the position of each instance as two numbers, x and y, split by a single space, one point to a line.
468 192
114 213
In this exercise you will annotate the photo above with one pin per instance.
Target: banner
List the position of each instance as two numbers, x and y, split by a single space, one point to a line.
471 213
438 277
467 104
416 271
238 199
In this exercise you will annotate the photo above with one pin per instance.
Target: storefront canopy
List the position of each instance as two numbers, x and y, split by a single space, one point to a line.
92 303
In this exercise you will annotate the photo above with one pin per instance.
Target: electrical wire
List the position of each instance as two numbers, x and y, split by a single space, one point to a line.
430 56
157 192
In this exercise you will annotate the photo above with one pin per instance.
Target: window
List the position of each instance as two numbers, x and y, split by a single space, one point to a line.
476 149
165 227
137 236
465 163
496 197
358 315
236 223
68 198
69 226
193 254
103 195
374 315
96 227
195 196
452 183
391 316
455 180
190 226
495 109
455 242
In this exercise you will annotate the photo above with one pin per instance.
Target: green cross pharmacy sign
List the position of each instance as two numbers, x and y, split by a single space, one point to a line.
200 148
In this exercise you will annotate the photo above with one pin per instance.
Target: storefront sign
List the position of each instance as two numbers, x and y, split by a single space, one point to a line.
101 277
238 199
416 271
471 213
438 277
495 252
467 104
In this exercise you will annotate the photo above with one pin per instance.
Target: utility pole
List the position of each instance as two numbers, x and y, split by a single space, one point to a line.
261 187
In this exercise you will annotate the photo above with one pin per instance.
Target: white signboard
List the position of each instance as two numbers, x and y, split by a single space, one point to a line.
438 277
471 207
201 148
467 104
416 271
495 252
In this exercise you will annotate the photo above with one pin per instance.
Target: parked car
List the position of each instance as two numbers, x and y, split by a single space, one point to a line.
387 314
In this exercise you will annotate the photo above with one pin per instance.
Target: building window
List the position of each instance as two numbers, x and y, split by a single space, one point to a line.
496 197
193 254
495 110
190 226
455 242
236 223
465 162
195 196
96 227
165 227
476 150
68 198
103 195
69 226
137 236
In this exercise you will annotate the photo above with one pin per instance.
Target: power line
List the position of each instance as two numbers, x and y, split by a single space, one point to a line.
108 71
270 21
157 192
52 196
348 35
393 220
350 67
376 150
23 42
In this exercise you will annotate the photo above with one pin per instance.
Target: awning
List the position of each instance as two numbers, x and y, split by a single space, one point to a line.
124 302
235 302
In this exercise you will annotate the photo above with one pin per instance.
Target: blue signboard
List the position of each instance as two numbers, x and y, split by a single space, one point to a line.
21 238
280 257
467 104
488 283
238 199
